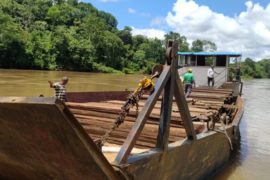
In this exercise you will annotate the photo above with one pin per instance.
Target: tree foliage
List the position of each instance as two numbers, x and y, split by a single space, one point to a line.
252 69
182 40
73 35
203 45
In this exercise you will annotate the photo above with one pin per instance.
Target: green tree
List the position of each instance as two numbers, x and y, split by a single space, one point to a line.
197 46
138 40
126 35
153 50
182 40
42 50
265 63
203 45
209 46
13 43
109 19
72 51
250 68
73 35
63 14
110 50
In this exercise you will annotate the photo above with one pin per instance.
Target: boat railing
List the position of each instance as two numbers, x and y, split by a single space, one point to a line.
220 77
241 88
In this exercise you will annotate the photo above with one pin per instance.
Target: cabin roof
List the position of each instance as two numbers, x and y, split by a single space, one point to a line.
232 54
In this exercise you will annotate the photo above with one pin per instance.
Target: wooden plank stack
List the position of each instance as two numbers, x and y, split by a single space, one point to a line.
98 117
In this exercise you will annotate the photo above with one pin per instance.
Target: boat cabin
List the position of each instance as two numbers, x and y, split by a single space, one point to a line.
200 62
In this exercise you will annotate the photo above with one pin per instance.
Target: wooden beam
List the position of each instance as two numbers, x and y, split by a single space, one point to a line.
183 108
166 110
165 115
125 150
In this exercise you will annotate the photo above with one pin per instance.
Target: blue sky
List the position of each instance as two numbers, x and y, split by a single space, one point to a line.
234 25
147 10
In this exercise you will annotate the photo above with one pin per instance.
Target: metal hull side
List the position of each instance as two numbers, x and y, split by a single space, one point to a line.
191 160
198 159
41 139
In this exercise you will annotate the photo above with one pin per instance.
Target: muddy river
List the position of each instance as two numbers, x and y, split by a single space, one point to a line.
253 158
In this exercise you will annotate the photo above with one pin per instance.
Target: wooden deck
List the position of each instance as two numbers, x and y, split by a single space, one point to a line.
97 117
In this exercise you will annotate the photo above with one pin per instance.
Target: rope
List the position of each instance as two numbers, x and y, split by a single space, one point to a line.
225 131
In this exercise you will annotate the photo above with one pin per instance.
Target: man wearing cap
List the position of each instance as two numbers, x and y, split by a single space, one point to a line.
60 89
210 76
188 81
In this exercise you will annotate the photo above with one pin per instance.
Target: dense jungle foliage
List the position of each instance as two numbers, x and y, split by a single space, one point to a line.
72 35
252 69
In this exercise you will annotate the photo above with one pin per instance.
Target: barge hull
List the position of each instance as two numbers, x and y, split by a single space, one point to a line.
41 139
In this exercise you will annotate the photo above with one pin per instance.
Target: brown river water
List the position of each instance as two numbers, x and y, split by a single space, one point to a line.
252 161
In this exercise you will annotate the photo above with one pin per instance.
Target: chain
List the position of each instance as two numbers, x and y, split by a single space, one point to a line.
133 100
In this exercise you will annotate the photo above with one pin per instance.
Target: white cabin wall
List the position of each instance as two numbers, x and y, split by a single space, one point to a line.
200 74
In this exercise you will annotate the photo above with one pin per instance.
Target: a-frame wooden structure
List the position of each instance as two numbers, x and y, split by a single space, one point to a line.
170 82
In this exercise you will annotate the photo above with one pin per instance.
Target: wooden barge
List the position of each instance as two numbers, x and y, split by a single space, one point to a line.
171 137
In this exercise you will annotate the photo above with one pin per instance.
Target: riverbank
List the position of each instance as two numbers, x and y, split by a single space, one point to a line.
104 69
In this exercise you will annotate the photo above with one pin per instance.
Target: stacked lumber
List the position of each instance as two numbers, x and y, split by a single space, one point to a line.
98 117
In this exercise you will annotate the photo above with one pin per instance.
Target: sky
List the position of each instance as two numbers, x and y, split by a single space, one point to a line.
234 25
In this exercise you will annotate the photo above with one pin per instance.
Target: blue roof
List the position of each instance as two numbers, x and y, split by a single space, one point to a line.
210 53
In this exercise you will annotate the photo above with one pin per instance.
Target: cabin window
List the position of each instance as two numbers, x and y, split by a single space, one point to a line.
221 61
200 60
205 61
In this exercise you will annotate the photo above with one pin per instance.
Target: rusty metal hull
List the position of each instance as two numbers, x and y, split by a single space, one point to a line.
187 159
41 139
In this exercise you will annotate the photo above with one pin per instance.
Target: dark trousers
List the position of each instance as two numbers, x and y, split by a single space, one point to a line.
210 80
188 89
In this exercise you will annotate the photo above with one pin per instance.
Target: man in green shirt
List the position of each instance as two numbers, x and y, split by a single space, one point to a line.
188 81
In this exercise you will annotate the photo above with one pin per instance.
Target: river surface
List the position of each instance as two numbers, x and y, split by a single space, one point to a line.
252 160
34 83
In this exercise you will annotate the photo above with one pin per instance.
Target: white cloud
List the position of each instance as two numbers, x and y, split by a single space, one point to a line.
157 21
248 32
106 1
151 33
131 11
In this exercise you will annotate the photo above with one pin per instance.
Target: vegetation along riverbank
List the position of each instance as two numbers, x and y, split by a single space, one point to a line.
72 35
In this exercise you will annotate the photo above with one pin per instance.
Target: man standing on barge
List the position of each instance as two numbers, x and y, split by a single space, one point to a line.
210 76
60 89
188 82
